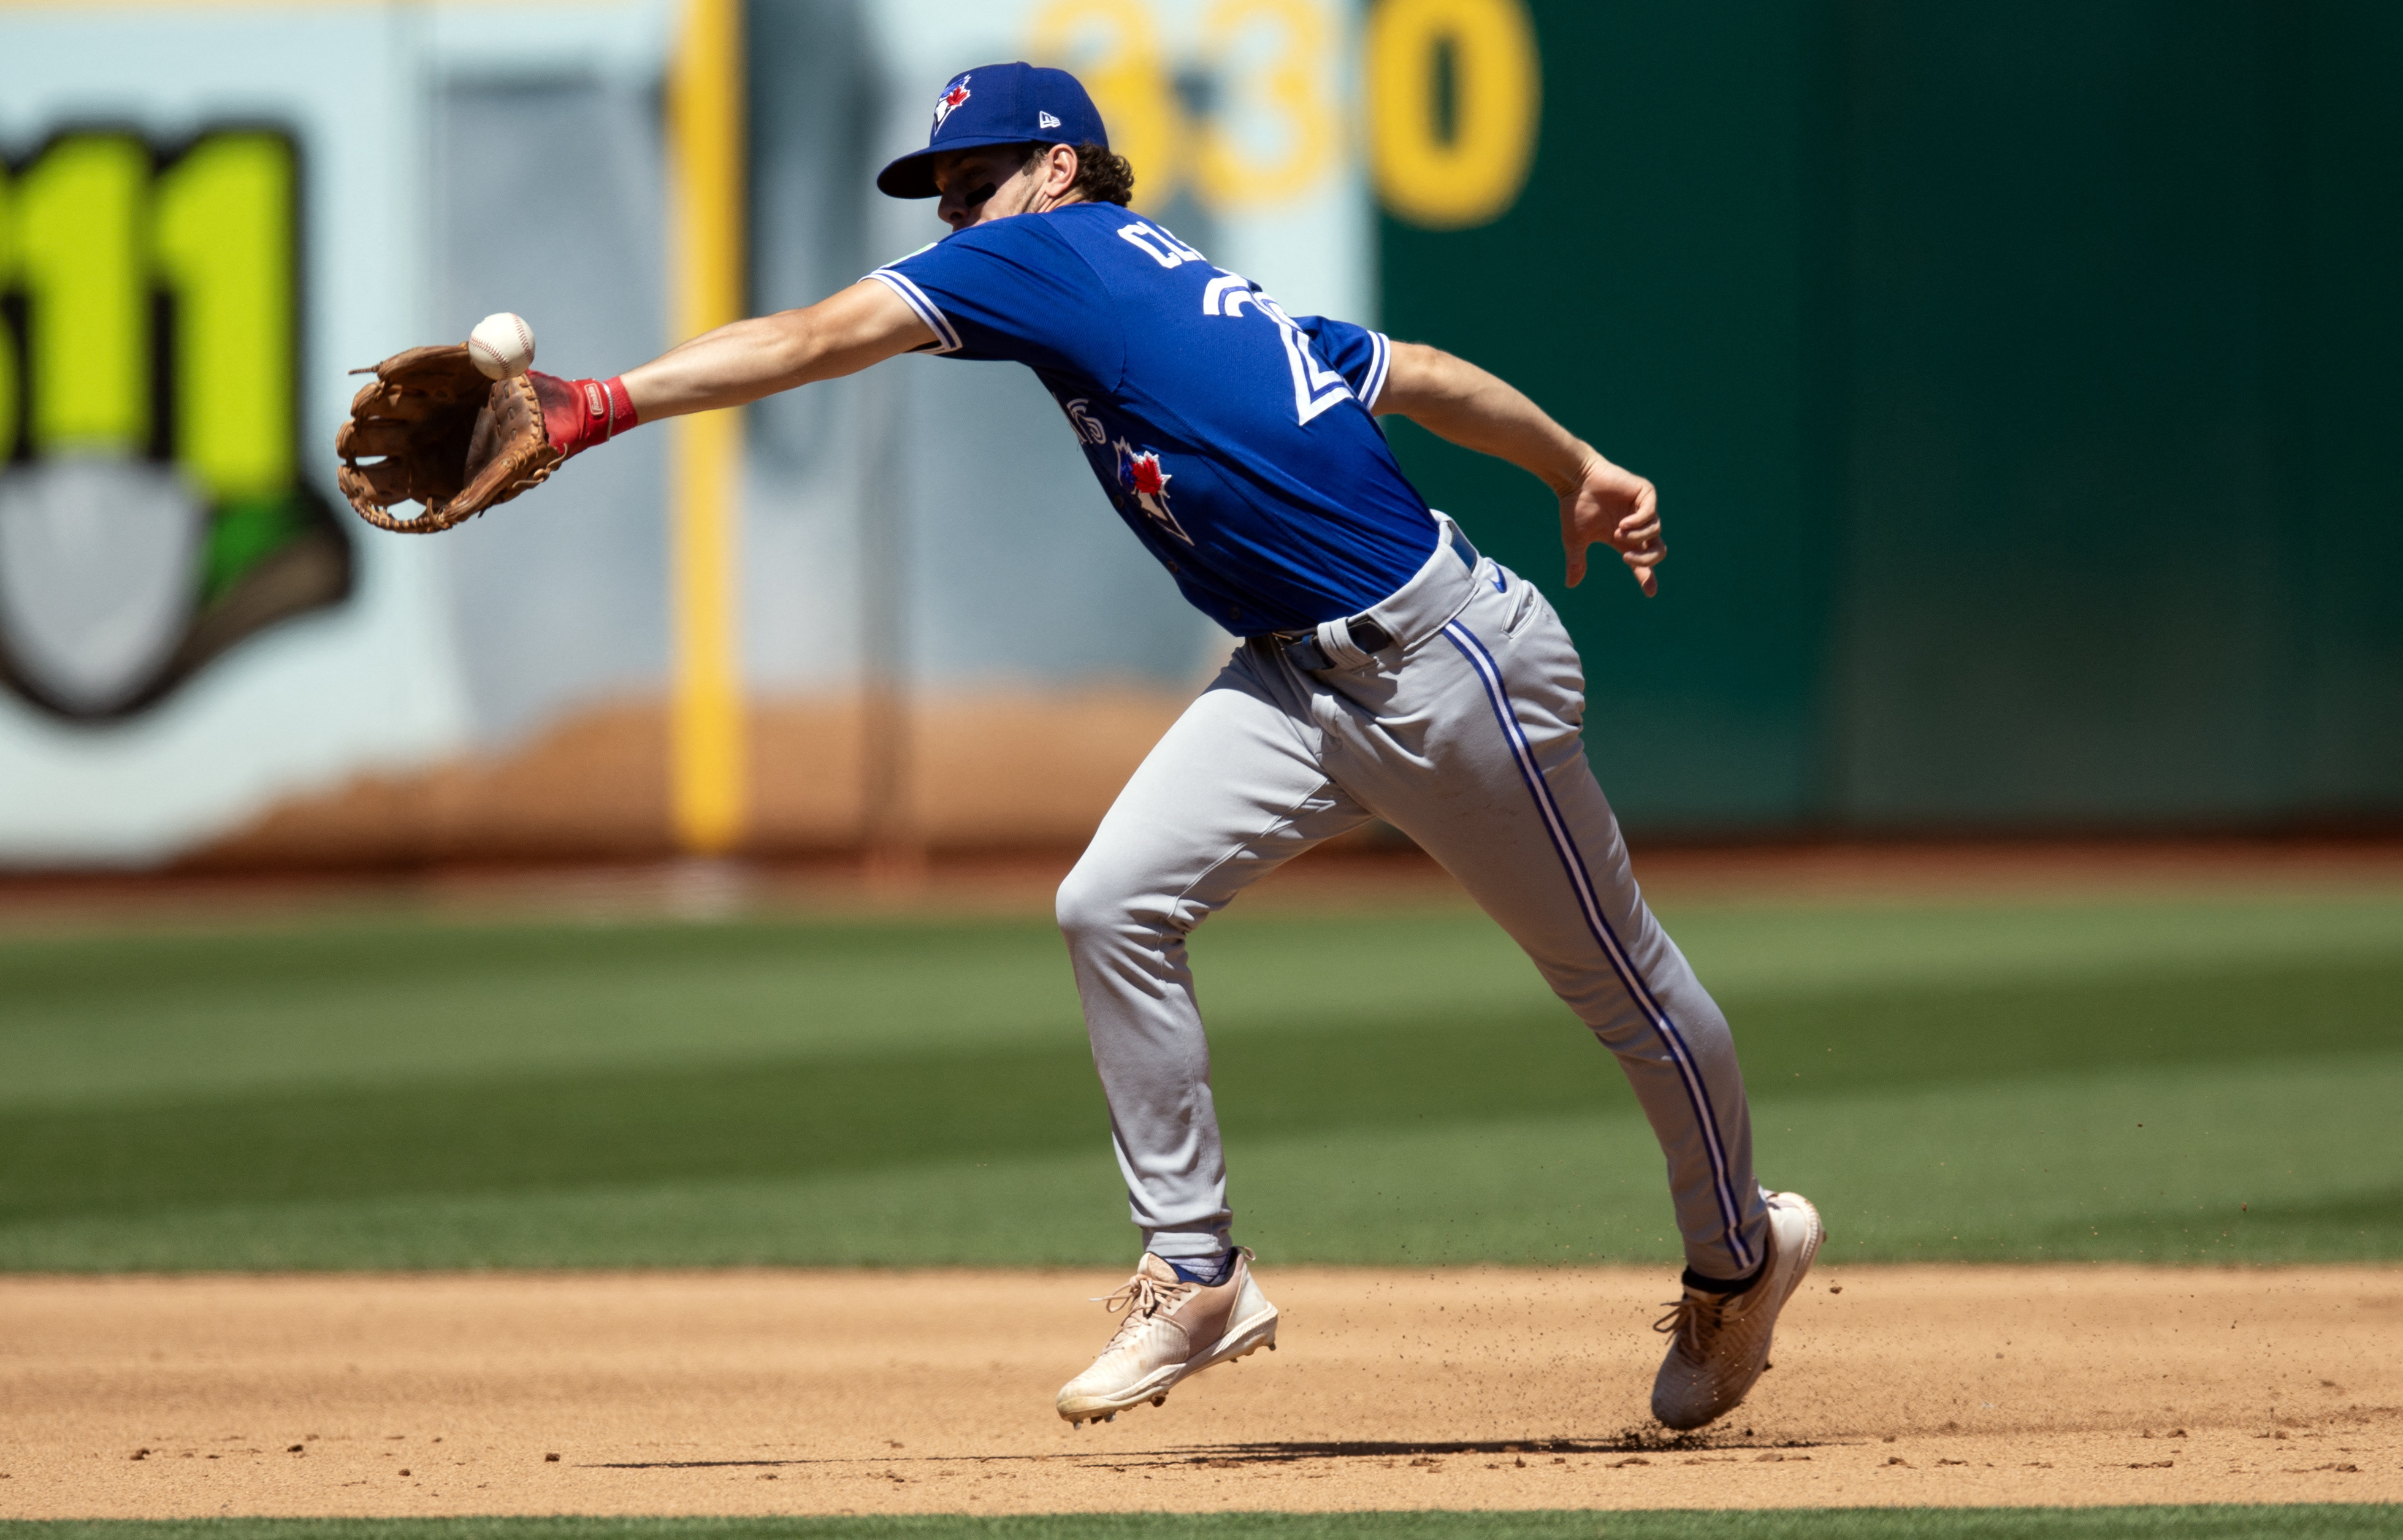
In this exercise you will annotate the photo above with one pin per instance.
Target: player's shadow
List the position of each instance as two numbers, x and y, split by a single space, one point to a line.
1635 1444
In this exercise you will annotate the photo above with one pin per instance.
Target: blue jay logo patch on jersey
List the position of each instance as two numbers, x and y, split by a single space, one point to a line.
1141 477
954 96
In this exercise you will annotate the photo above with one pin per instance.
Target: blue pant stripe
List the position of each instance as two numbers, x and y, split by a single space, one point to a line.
1564 845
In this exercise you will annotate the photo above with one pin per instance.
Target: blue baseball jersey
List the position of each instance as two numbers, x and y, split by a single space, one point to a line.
1235 440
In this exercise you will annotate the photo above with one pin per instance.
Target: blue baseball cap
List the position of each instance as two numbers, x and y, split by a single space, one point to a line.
1017 103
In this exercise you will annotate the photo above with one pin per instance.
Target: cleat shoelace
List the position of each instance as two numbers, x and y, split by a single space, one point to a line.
1694 1319
1142 1298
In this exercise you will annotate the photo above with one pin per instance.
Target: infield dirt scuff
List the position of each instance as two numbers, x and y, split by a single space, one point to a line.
818 1392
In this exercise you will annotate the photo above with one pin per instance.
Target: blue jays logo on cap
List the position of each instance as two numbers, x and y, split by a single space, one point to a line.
1013 104
955 96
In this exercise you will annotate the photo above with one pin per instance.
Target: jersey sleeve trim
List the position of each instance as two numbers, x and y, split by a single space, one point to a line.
1381 359
947 336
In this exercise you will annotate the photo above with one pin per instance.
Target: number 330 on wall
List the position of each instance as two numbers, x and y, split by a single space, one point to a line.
1455 92
151 514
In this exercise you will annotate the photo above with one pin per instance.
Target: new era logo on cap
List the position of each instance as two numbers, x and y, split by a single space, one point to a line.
1045 120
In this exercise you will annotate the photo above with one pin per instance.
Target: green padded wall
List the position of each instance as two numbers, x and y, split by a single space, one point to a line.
2019 381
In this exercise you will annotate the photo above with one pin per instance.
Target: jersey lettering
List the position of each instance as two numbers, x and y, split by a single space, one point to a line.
1082 421
1158 244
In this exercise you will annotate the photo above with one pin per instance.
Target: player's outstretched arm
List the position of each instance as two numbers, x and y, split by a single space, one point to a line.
432 428
1601 504
864 324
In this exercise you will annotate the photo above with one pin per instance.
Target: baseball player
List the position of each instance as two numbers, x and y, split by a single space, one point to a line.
1385 669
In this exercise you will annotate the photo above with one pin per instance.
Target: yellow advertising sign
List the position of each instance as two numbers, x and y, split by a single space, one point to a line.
151 512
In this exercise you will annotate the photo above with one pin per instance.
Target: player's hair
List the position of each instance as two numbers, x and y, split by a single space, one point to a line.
1101 178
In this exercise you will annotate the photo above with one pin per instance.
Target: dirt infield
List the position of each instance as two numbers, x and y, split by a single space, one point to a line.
856 1391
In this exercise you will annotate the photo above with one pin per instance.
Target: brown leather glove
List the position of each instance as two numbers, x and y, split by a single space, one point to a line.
438 433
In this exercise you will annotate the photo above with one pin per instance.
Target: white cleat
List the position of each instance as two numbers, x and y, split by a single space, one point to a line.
1718 1344
1173 1329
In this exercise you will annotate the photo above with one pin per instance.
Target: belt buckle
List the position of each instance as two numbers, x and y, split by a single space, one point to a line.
1308 656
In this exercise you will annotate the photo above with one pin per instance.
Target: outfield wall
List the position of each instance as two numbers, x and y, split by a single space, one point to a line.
2019 383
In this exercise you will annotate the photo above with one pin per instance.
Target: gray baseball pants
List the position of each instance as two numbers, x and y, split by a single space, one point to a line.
1463 735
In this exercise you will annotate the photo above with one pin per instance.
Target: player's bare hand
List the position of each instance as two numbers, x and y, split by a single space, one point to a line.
1611 506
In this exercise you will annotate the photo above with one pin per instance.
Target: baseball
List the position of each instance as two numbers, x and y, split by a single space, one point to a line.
502 346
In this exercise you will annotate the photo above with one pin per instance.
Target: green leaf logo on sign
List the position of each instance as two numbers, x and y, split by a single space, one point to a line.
151 515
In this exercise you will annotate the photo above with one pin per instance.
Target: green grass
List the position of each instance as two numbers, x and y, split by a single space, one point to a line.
2159 1081
2325 1521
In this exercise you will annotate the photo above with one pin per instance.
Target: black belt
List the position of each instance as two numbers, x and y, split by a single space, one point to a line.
1302 647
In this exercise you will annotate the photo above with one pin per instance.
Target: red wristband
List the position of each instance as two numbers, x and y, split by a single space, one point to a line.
578 414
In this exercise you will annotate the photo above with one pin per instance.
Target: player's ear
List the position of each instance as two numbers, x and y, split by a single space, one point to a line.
1059 173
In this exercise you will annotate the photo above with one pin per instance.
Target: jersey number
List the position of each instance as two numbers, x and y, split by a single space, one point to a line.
1315 388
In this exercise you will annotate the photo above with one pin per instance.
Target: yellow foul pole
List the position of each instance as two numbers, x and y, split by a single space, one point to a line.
705 751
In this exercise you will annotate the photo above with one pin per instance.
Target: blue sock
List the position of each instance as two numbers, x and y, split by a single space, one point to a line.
1207 1274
